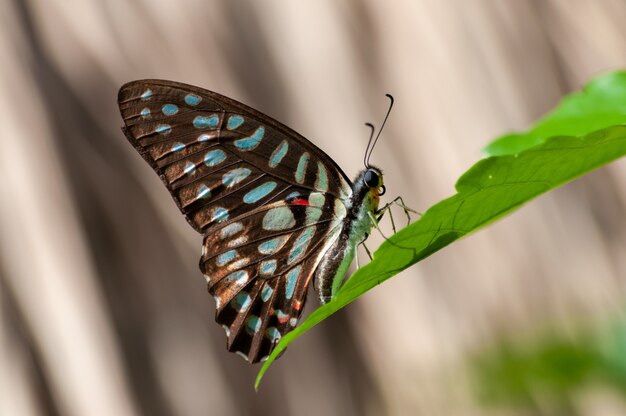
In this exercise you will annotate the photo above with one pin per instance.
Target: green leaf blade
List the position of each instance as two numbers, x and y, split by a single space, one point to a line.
600 104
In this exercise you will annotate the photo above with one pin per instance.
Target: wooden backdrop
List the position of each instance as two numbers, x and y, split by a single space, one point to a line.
103 310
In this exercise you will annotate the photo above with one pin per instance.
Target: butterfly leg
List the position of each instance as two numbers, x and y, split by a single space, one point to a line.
367 250
407 211
375 222
381 212
369 254
399 202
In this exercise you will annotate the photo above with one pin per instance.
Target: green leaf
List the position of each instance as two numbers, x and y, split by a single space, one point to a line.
549 368
492 188
600 104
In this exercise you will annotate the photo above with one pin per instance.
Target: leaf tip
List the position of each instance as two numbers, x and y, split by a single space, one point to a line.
263 369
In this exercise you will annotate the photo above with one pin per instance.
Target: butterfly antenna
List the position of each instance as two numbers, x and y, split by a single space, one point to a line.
369 142
391 100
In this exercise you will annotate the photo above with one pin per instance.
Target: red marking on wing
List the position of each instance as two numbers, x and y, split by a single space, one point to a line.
300 201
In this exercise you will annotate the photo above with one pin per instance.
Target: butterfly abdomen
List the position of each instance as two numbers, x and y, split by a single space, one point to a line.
357 224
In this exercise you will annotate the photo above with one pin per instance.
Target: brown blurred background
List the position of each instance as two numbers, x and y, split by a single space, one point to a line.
103 309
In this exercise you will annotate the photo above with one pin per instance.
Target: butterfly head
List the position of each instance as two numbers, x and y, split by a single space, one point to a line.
372 177
372 180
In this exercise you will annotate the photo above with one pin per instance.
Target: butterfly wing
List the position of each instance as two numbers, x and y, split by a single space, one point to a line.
260 272
268 202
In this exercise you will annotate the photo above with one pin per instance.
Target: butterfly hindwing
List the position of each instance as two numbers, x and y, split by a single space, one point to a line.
268 202
259 275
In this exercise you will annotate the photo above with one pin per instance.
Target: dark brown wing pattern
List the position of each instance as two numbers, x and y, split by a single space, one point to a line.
260 279
268 202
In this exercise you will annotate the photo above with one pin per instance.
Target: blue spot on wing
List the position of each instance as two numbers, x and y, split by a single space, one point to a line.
292 279
266 292
259 192
235 176
239 277
189 167
220 214
270 246
214 157
301 169
241 302
267 267
249 143
253 324
231 230
279 153
163 129
192 99
145 113
177 147
272 333
321 183
147 94
273 245
169 109
227 257
301 243
234 122
203 192
201 122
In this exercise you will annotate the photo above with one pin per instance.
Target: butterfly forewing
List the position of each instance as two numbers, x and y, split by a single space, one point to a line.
268 201
208 149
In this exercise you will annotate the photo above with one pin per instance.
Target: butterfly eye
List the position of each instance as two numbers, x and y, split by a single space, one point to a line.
371 179
382 190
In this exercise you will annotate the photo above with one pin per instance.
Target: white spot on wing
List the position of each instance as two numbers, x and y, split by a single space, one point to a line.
237 241
340 209
279 218
227 330
238 264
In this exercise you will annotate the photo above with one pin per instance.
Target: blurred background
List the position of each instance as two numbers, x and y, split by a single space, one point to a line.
103 310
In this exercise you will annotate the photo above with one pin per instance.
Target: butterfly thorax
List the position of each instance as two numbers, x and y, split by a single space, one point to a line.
362 206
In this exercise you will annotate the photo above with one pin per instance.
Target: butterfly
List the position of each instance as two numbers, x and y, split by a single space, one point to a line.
275 211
